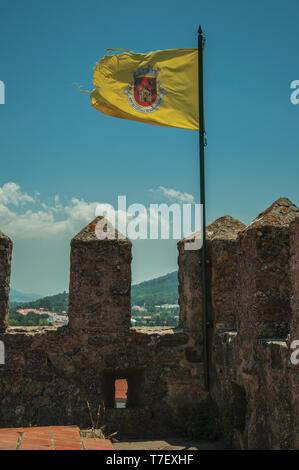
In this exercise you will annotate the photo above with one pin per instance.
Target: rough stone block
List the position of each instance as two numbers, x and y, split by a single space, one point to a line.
294 268
100 282
5 262
264 280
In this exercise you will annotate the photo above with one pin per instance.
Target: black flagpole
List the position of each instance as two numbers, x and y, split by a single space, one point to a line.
202 201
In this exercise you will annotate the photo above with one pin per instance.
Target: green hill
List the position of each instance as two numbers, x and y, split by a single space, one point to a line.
54 303
162 290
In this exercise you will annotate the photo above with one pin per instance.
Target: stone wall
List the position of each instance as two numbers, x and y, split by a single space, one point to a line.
5 260
294 268
294 331
264 273
51 373
253 382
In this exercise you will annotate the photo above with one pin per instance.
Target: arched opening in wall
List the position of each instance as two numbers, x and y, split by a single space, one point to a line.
154 291
123 388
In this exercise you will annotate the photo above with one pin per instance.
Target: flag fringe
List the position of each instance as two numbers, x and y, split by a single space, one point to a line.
79 88
119 50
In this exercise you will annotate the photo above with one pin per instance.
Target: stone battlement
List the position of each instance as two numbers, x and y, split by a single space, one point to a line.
253 306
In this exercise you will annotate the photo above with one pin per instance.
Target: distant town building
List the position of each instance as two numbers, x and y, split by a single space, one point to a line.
138 308
53 318
166 306
41 311
58 320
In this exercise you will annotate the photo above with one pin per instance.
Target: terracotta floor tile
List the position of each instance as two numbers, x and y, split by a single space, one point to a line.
47 437
65 436
73 447
9 438
6 433
36 442
65 442
36 435
34 448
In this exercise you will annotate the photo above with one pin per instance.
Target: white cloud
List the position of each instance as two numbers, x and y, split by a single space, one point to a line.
25 216
10 193
175 195
46 221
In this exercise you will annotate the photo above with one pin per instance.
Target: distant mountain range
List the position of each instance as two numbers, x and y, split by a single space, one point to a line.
161 290
16 296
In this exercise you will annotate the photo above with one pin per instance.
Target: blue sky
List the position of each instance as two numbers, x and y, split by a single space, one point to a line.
53 143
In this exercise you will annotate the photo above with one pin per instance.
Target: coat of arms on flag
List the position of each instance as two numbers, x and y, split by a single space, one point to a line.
145 94
159 87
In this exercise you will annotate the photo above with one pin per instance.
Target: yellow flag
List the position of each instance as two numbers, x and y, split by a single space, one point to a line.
158 87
